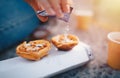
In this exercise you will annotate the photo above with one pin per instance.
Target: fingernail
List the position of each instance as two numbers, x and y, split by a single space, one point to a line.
60 14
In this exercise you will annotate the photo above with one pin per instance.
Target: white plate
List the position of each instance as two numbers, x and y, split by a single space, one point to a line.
56 62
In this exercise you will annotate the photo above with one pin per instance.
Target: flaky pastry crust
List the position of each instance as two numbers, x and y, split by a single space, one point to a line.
62 44
34 50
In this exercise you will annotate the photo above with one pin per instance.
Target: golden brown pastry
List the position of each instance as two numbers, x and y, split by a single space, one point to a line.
34 50
65 41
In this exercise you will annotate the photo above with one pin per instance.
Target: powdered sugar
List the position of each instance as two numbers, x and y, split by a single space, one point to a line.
31 47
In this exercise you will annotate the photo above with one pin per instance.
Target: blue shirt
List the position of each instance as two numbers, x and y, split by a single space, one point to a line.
17 21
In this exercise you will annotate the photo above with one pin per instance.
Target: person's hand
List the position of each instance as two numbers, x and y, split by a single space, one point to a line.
35 6
53 7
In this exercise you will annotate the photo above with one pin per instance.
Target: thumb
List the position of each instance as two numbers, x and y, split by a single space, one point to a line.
35 6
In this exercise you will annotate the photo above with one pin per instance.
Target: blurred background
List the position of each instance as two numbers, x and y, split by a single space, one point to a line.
106 13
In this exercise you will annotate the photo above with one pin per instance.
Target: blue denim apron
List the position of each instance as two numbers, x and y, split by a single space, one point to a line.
17 21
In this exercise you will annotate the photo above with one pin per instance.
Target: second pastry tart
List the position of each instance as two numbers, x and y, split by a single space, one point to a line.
65 41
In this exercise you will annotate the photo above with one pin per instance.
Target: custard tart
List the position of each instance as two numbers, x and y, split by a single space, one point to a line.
33 50
65 41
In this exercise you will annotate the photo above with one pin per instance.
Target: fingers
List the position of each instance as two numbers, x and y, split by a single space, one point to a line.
53 7
35 6
56 7
66 5
46 6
